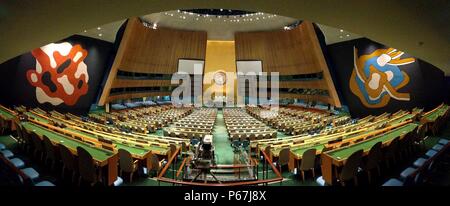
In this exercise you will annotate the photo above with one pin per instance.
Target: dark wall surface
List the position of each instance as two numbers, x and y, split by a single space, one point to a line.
426 87
18 75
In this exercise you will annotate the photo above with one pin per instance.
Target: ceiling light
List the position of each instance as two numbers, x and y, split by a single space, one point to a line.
85 31
196 19
257 18
340 37
348 35
210 19
98 28
341 30
221 9
100 34
238 20
264 17
178 10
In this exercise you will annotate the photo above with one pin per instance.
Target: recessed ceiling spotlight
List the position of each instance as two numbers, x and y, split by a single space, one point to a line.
340 37
196 19
264 17
84 31
341 30
98 28
210 19
184 17
178 10
257 18
348 35
221 9
251 19
238 20
100 34
219 17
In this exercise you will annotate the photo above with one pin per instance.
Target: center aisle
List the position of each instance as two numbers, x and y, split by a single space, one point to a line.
222 145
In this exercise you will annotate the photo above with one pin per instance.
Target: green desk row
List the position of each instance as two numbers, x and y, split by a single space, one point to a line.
434 115
133 150
97 154
6 114
344 153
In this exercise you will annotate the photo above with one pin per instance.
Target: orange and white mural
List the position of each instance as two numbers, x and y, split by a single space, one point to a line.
60 76
376 77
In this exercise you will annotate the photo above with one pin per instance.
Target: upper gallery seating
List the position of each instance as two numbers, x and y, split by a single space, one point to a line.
241 125
196 125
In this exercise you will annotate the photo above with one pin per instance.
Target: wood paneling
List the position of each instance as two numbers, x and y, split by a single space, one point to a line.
147 50
312 84
288 52
158 50
124 83
137 95
324 99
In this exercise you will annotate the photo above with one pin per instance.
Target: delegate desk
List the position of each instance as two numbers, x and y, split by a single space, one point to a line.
140 153
105 159
432 115
336 158
8 115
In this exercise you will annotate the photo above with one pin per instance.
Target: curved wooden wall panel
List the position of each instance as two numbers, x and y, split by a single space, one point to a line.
125 83
136 95
146 50
288 52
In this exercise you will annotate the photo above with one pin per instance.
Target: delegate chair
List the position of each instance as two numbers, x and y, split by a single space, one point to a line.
68 161
308 162
350 169
38 146
373 160
391 152
86 167
155 164
50 152
126 163
283 158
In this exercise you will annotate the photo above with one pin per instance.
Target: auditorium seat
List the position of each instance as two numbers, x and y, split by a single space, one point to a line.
393 182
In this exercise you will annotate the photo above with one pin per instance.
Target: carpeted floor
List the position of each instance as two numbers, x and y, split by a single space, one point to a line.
222 145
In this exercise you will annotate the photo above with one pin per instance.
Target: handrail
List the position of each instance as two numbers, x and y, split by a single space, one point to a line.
181 166
254 182
163 171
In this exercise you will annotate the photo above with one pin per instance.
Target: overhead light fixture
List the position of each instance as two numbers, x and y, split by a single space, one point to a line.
100 34
221 9
341 30
84 31
341 37
348 35
257 18
98 28
196 19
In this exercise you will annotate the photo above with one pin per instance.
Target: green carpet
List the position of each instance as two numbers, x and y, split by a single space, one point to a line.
222 145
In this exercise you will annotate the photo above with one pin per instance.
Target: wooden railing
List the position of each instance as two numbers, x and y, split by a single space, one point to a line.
267 162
